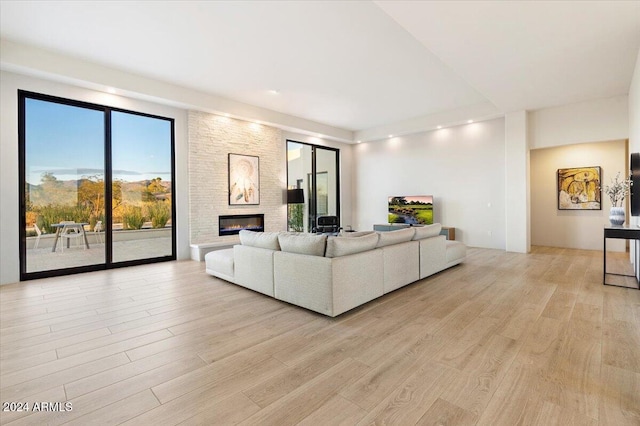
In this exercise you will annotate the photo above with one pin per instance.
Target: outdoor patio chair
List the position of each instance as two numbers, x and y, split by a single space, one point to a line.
70 233
327 225
39 233
97 229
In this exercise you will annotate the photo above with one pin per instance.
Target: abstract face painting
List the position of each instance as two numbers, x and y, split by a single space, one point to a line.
244 179
579 188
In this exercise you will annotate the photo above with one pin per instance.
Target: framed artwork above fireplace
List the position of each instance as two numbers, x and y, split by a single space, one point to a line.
244 180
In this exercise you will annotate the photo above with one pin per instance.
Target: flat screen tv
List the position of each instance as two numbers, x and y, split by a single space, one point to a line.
635 184
411 209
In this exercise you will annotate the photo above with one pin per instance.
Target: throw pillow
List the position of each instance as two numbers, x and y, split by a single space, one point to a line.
337 246
265 240
313 245
427 231
396 237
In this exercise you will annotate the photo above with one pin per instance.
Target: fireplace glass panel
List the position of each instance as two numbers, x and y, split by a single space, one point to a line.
231 225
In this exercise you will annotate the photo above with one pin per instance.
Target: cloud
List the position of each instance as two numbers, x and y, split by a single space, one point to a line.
85 171
127 172
80 171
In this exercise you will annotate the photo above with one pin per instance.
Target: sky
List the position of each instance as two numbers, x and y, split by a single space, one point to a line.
413 198
68 141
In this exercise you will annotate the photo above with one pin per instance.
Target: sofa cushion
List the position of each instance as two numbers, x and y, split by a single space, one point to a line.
355 234
313 245
395 237
427 231
265 240
337 246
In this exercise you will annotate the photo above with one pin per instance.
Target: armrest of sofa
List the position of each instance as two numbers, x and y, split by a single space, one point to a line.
330 286
253 268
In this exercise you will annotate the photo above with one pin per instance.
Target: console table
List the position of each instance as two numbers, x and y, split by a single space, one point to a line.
391 226
625 233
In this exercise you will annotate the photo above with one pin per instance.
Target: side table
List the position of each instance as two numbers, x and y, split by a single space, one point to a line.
625 233
449 232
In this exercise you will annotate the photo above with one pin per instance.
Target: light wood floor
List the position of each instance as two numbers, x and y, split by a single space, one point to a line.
503 339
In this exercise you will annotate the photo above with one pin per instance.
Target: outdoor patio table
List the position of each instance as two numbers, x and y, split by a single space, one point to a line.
76 225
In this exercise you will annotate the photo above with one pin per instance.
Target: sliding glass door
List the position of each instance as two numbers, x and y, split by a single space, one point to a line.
314 169
96 187
141 175
63 178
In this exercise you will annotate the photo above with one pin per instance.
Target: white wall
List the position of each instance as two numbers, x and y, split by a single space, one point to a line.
462 167
591 121
419 162
9 213
574 128
24 58
517 183
581 229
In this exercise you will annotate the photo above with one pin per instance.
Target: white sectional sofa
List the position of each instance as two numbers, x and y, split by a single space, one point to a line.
332 275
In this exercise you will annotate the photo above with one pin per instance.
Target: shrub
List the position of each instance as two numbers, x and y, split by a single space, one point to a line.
55 213
160 213
31 217
296 217
132 217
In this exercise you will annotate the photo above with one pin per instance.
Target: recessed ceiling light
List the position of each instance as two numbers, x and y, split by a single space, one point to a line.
439 127
359 141
111 90
227 114
469 121
390 136
274 92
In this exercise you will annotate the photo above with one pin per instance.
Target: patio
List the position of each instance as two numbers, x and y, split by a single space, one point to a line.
127 245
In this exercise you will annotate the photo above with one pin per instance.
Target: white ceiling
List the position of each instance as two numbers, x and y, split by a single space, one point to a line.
354 65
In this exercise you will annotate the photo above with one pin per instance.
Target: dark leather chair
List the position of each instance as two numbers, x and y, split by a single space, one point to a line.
327 225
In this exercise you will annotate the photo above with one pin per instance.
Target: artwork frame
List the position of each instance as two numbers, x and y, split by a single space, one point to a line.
578 188
244 180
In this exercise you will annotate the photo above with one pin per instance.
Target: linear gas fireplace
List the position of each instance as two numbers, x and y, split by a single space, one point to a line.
231 225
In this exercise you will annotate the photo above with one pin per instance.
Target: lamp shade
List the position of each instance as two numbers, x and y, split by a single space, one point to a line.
295 196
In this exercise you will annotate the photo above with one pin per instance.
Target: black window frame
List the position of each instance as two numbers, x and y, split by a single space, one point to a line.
312 201
23 95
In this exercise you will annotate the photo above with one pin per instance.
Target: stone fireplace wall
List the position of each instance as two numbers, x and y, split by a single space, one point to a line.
211 138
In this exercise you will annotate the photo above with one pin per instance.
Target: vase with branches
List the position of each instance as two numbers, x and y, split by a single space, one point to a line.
617 192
